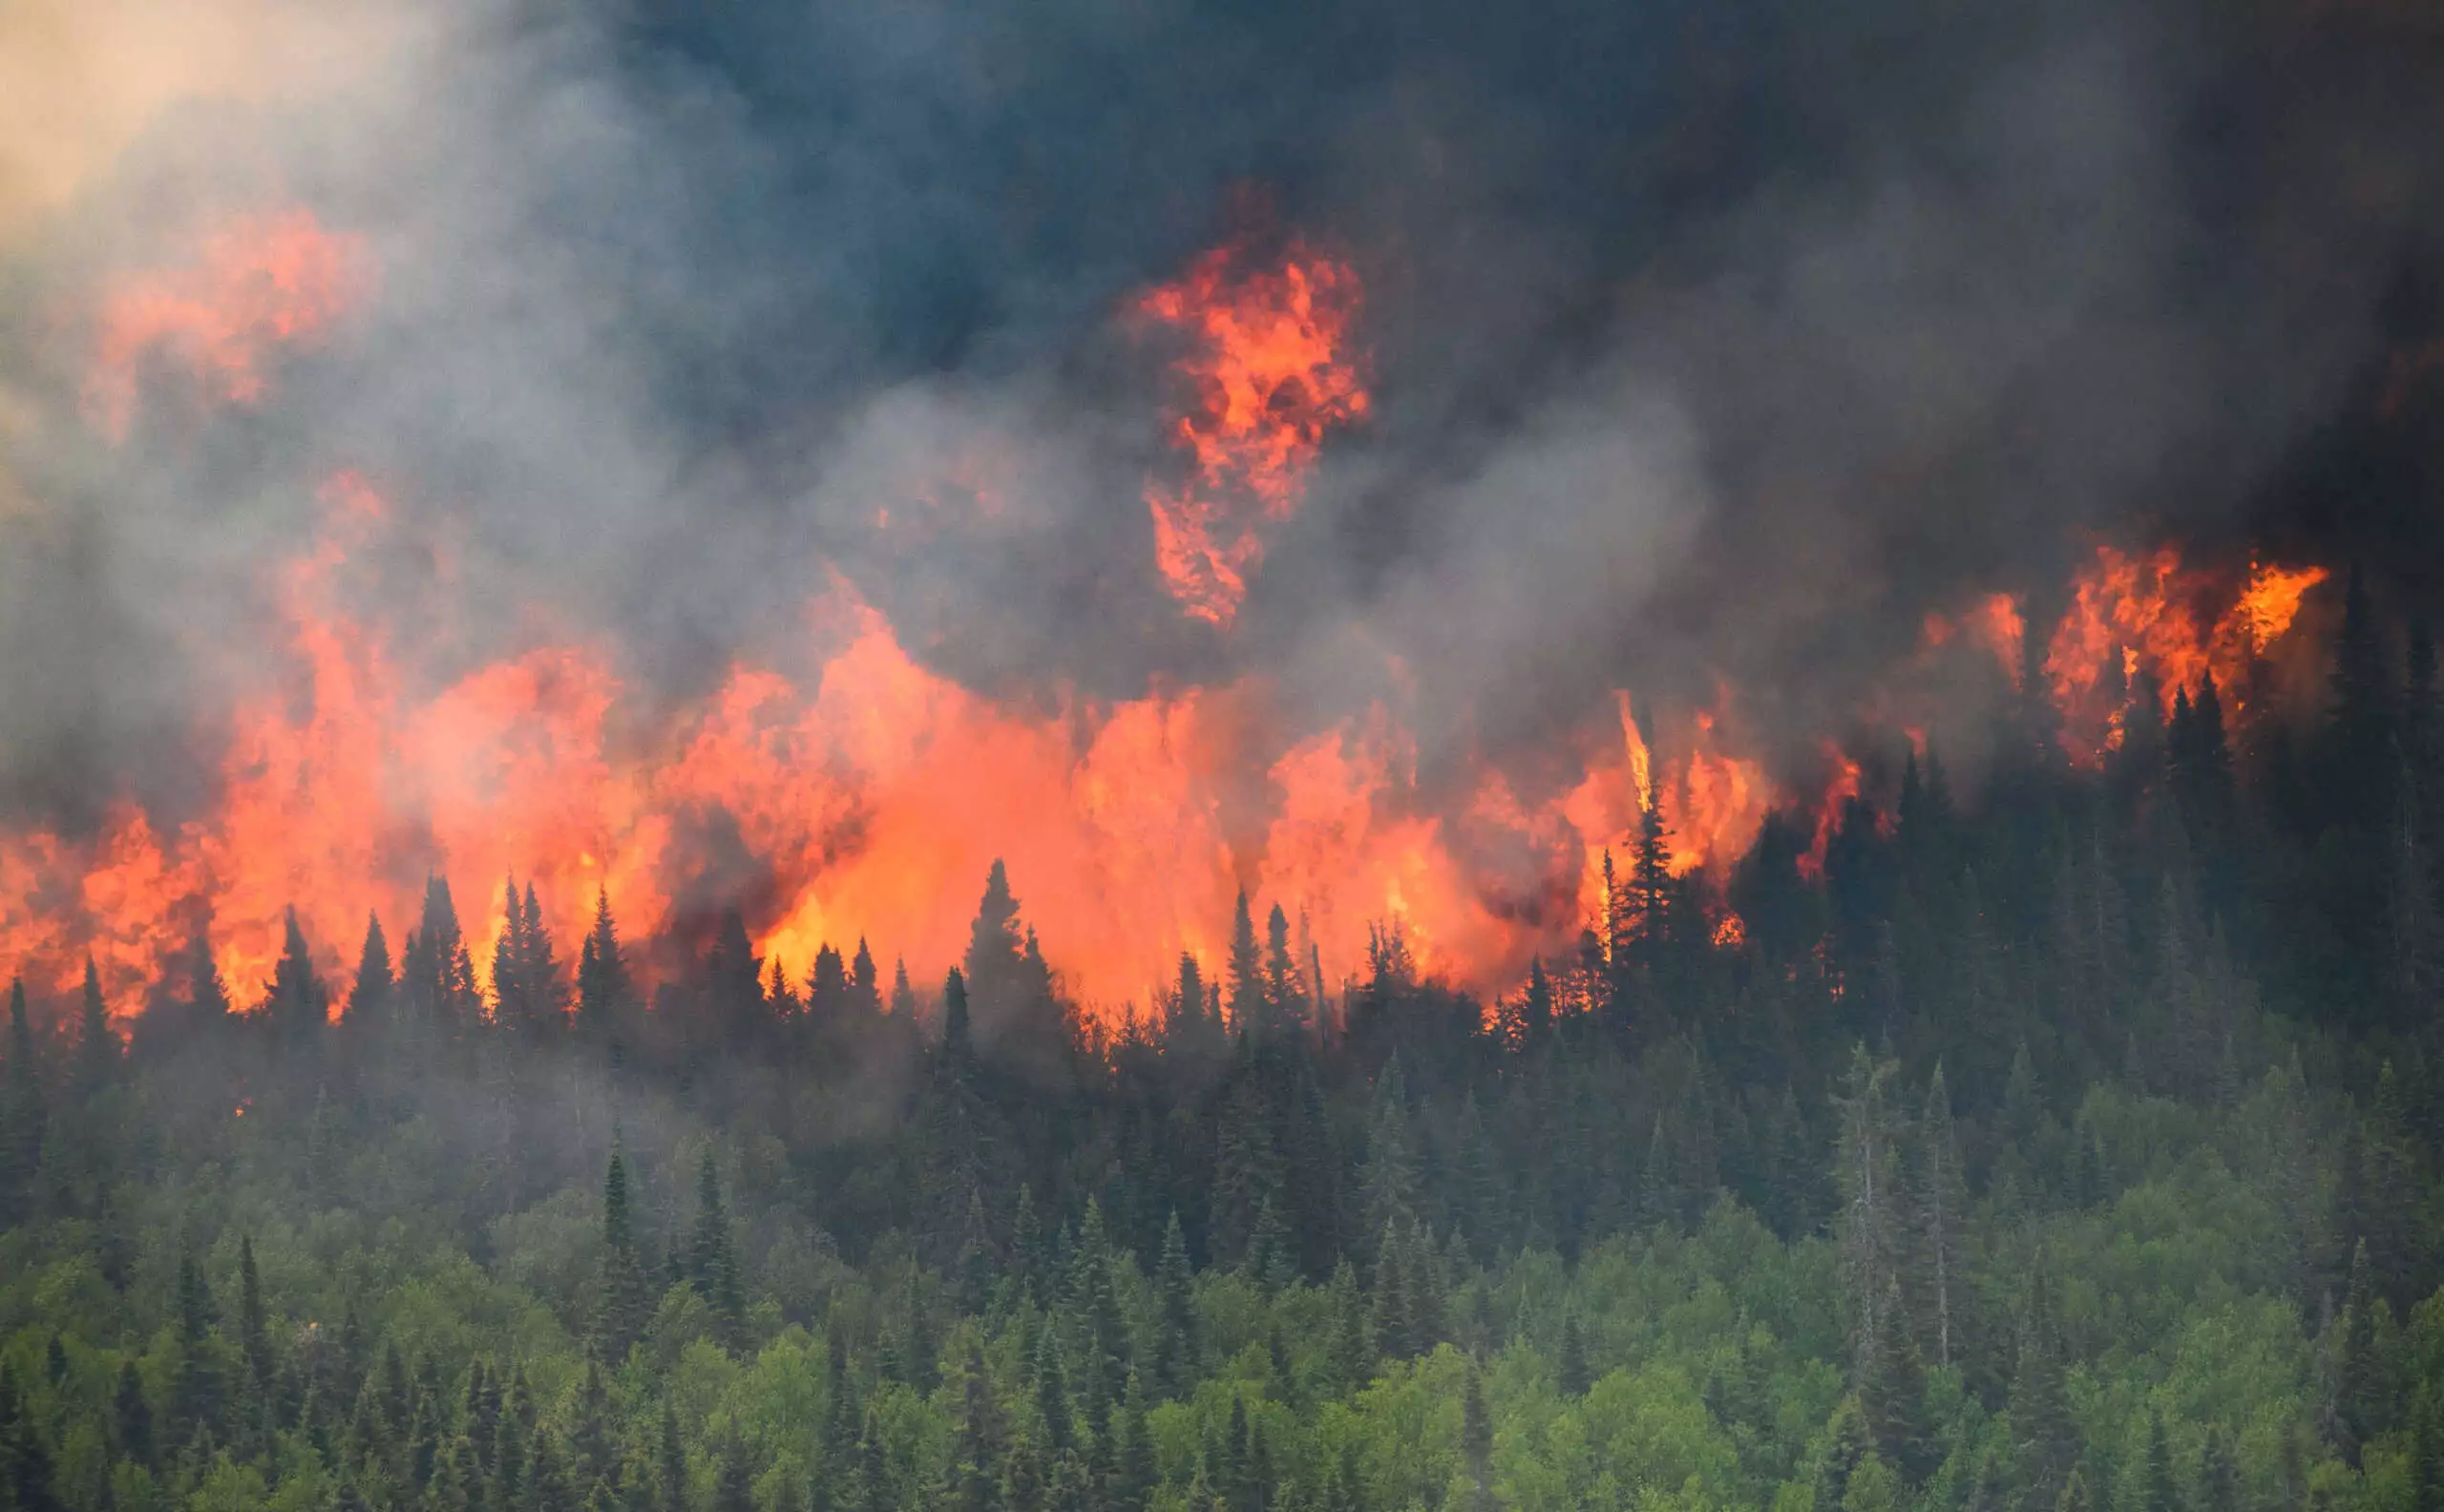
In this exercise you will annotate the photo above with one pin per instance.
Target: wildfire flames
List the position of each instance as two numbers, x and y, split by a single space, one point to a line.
258 285
1267 357
2146 618
839 788
1995 623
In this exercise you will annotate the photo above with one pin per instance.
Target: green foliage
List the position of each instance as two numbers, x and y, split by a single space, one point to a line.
1897 1220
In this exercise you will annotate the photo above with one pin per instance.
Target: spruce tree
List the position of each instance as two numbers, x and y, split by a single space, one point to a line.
958 1044
670 1462
996 949
2219 1479
368 1001
132 1416
436 975
2041 1422
731 1490
1938 1271
2156 1471
1285 997
602 986
1570 1375
23 1115
1476 1440
98 1046
199 1397
297 1005
712 1259
26 1479
623 1303
1868 1228
254 1335
2426 1450
1175 1355
1244 971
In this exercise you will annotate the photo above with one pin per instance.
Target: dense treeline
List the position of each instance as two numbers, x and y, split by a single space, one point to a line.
2078 1151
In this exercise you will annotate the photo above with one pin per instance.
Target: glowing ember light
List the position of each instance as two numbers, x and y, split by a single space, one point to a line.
1267 358
259 286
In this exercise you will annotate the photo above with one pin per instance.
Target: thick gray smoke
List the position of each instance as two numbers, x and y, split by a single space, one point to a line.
1705 339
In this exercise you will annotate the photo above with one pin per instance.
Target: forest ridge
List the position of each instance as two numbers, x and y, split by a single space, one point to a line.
2077 1147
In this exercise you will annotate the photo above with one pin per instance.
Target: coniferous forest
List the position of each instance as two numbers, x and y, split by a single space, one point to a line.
2075 1146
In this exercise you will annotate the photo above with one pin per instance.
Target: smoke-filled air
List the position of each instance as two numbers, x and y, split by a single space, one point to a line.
1093 757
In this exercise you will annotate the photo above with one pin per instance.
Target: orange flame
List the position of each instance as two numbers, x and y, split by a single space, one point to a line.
2148 614
1840 788
868 801
1267 357
258 285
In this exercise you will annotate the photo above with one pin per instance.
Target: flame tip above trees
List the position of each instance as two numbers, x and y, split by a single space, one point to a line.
1266 354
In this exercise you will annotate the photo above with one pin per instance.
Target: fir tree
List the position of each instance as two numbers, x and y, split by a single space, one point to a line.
712 1260
2047 1441
2217 1474
865 984
2426 1451
132 1416
26 1480
623 1303
1285 997
1476 1440
995 950
604 989
670 1462
1939 1275
1175 1357
1570 1374
368 1001
254 1335
295 1004
436 975
958 1044
1133 1471
732 984
98 1046
2156 1492
23 1115
1868 1230
1245 971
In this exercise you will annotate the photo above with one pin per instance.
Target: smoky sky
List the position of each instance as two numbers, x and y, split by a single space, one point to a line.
1706 341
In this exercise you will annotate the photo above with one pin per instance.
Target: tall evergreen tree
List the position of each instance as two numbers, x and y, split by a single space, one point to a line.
23 1114
603 990
436 975
1939 1253
98 1046
1246 971
1868 1230
368 1000
732 984
622 1302
296 1004
712 1260
2047 1441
